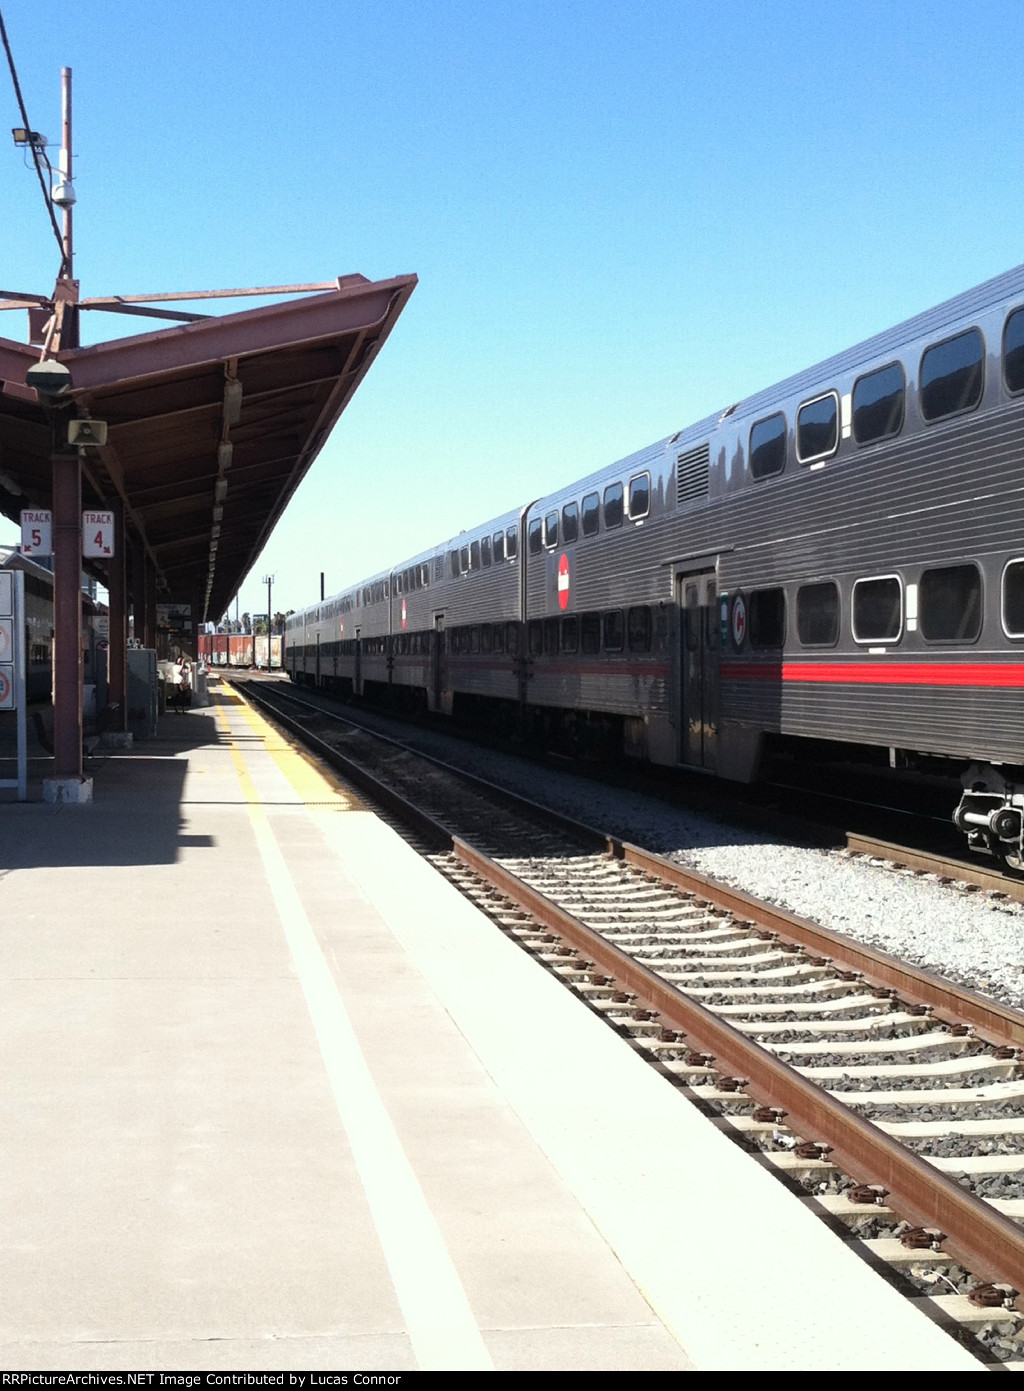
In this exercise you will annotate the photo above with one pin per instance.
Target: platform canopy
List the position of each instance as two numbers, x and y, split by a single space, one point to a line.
212 423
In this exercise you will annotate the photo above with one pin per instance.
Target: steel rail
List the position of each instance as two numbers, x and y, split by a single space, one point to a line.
977 1235
996 1022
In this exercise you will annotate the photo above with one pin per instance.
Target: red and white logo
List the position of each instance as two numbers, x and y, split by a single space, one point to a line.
739 620
403 615
6 688
563 581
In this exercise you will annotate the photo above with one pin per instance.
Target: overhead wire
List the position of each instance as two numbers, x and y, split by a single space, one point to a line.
32 146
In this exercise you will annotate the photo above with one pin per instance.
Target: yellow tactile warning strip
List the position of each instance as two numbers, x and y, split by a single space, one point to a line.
439 1321
314 784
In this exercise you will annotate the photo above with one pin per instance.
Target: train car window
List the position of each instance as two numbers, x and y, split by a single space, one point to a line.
691 608
474 555
398 584
712 631
499 638
817 428
878 609
612 505
817 614
767 618
768 446
551 637
1013 352
438 567
453 561
499 547
474 641
464 560
570 635
639 496
612 630
638 629
1013 599
591 506
485 552
535 637
570 523
952 376
878 404
485 640
949 603
511 543
551 529
512 639
534 536
590 633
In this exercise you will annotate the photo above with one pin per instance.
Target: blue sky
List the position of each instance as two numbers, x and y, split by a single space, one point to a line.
623 217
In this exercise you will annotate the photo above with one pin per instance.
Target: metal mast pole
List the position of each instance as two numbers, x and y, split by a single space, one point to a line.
65 169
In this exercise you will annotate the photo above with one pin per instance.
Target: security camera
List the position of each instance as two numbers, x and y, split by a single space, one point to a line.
50 378
63 194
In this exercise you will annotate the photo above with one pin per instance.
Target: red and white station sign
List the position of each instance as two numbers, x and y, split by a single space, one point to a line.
36 533
563 581
97 533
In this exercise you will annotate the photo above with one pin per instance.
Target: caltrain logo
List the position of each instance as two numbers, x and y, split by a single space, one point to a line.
563 581
403 615
739 620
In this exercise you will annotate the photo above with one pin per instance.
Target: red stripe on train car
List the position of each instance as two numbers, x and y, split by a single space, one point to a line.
1005 674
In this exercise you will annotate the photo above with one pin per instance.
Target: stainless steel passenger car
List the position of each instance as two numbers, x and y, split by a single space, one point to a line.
838 558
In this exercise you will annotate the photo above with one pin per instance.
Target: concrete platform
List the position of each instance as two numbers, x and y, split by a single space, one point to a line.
261 1108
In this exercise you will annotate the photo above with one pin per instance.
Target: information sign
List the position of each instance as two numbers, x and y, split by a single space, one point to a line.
6 686
97 533
36 533
6 639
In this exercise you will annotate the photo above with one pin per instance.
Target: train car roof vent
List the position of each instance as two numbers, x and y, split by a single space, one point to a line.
675 437
726 413
693 468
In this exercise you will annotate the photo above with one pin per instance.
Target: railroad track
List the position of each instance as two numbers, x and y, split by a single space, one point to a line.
891 1099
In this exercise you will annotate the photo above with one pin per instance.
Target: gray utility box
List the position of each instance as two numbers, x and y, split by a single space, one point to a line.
143 692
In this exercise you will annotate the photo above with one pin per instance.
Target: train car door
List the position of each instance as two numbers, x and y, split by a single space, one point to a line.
357 670
317 682
698 669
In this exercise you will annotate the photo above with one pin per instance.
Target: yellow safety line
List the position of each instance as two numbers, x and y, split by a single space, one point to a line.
312 782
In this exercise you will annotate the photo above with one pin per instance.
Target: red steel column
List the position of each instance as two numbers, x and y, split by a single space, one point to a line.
139 592
150 570
117 693
67 616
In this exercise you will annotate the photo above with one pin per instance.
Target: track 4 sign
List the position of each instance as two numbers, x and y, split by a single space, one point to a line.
97 533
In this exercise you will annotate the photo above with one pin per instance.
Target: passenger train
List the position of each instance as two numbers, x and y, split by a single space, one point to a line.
839 558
